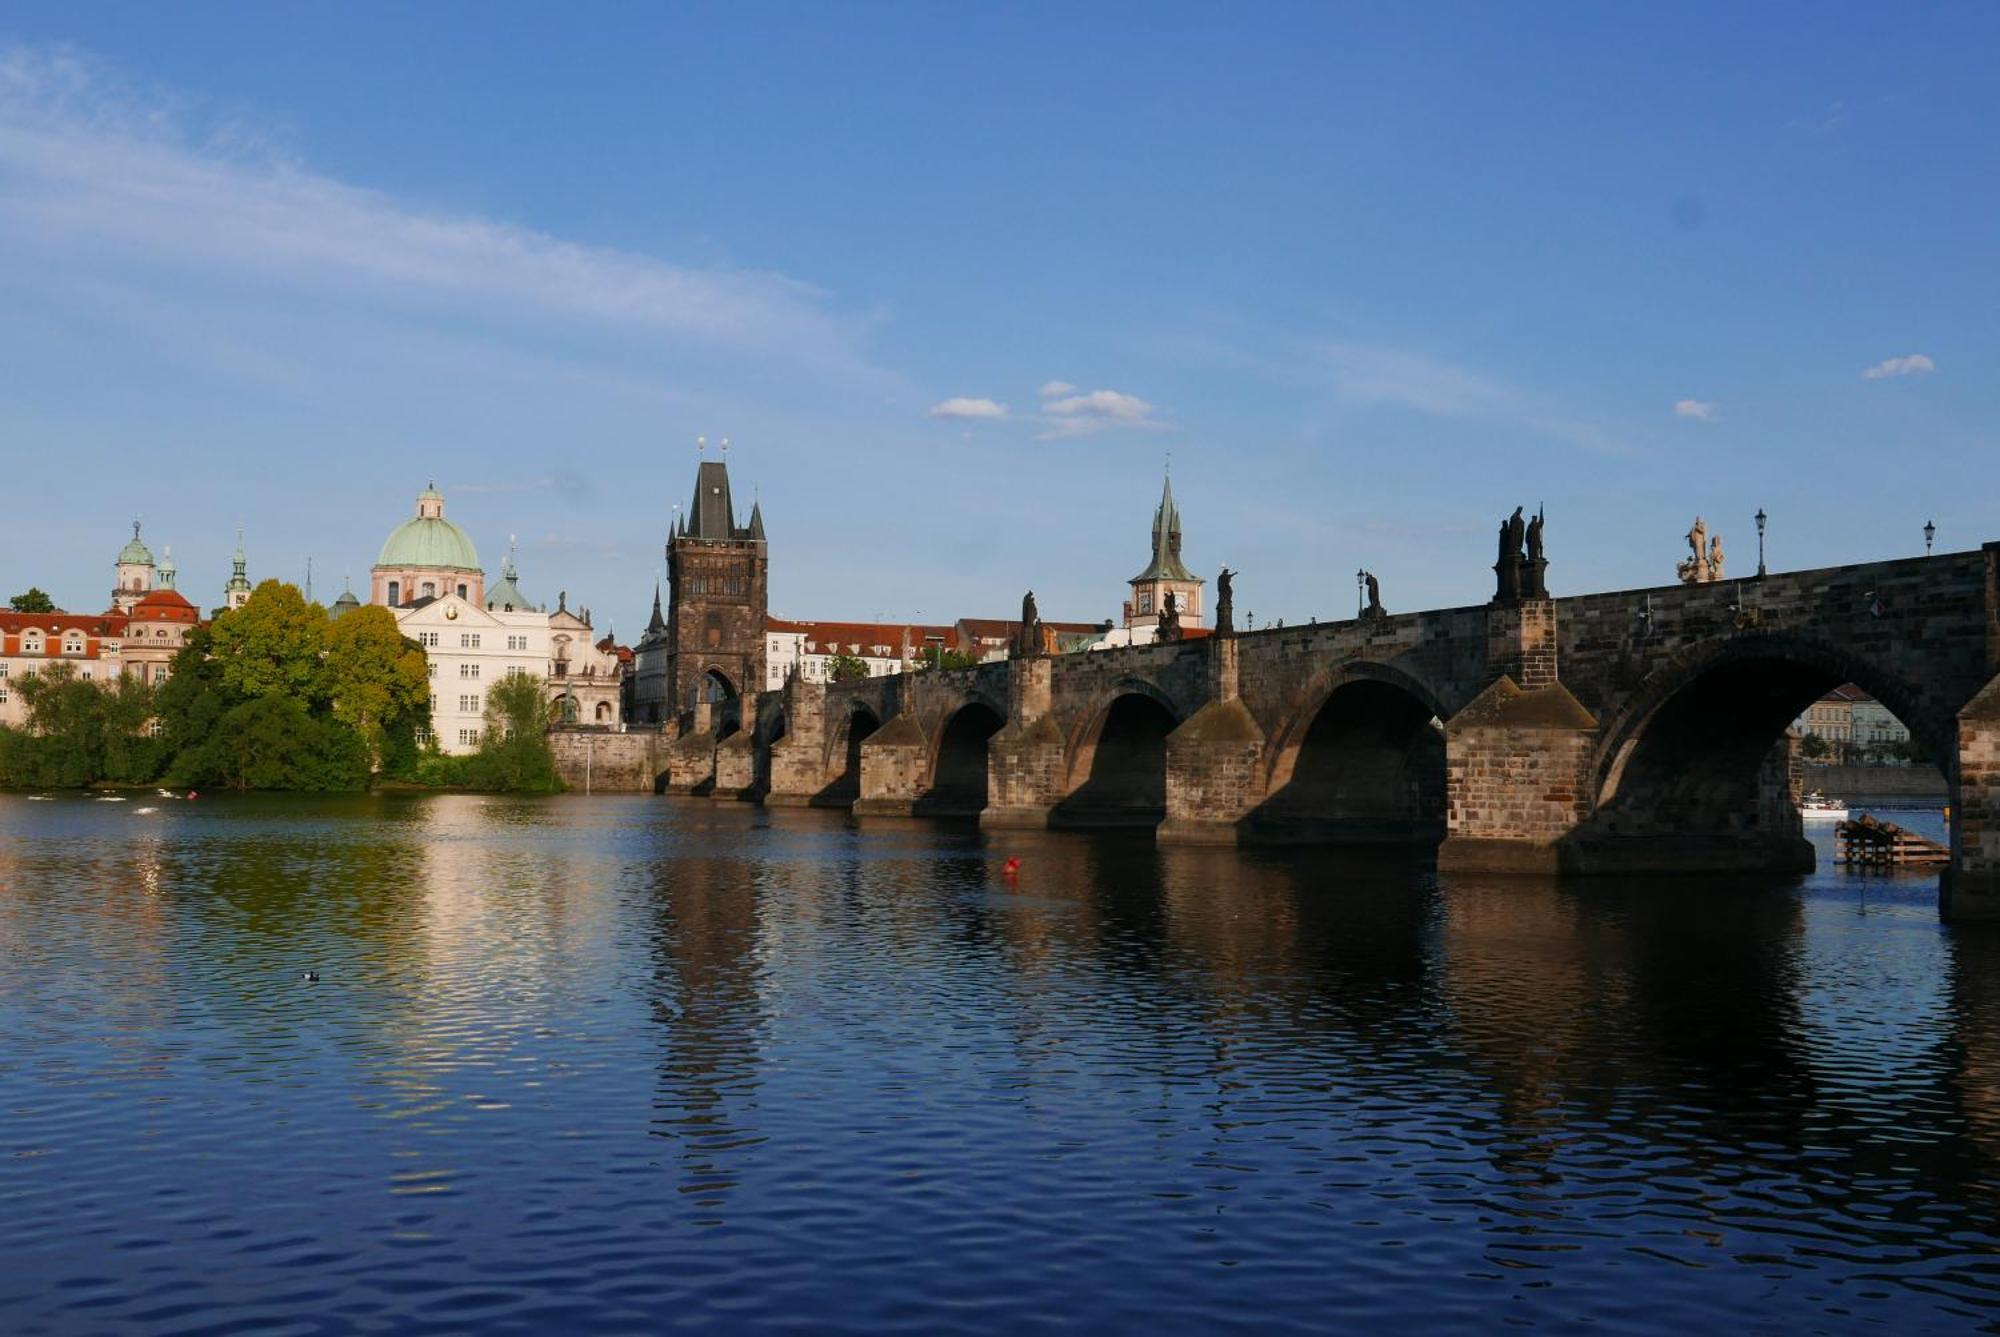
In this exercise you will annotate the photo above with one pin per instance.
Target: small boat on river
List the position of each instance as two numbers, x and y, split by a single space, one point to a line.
1820 808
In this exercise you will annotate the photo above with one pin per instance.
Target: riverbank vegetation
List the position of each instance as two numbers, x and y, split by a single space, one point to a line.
274 695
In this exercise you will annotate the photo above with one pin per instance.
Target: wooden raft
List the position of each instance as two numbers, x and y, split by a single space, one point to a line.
1881 844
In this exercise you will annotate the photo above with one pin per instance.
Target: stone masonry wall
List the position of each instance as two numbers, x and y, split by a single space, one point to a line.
599 761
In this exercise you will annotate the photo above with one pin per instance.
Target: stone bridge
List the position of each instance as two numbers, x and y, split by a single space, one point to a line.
1643 731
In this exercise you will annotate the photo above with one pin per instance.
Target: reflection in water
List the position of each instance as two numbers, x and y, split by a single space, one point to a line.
588 1064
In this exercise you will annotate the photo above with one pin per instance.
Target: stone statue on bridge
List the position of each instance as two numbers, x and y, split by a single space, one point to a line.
1534 571
1030 643
1169 628
1508 570
1703 566
1374 608
1225 603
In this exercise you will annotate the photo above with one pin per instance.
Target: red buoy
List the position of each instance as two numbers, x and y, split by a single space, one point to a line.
1012 865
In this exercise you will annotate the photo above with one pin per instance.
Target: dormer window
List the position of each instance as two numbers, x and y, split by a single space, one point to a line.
73 643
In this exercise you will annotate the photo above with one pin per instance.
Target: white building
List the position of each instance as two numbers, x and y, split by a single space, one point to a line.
883 647
470 648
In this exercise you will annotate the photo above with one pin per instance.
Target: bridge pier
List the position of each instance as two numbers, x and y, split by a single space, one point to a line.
690 757
1970 888
797 768
736 756
895 768
1517 779
1215 760
1025 761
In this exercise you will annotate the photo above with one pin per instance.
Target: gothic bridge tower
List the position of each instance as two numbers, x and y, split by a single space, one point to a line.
719 603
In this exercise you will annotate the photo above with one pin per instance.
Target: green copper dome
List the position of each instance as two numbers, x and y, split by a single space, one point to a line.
135 552
429 539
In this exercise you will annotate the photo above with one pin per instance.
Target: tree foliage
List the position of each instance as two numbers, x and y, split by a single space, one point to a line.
514 743
376 678
846 668
274 645
78 731
34 601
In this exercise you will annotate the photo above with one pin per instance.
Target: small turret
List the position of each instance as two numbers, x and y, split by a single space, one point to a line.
237 592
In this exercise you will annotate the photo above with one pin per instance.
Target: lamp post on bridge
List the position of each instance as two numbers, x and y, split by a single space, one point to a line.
1930 533
1761 518
1360 593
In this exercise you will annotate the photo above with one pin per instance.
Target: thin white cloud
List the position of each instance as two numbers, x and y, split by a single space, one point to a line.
1056 389
962 406
1913 364
96 172
1698 409
1097 411
1373 375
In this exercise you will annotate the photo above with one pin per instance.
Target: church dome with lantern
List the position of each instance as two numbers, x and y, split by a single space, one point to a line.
427 556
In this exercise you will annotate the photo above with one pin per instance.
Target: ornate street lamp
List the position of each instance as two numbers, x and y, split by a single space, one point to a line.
1761 518
1360 593
1930 532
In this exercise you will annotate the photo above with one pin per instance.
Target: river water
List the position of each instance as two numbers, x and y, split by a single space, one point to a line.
628 1064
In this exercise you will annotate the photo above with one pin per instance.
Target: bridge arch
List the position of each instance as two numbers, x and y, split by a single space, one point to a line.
1696 751
1117 772
958 758
841 763
1361 761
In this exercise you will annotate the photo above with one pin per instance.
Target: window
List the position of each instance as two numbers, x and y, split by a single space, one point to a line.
468 640
31 641
468 704
86 673
461 592
468 670
434 703
517 642
430 587
468 737
432 667
159 675
1146 602
395 594
427 638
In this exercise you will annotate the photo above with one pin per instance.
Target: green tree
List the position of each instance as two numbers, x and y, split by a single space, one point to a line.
936 658
377 678
274 645
78 731
846 668
34 601
271 742
514 744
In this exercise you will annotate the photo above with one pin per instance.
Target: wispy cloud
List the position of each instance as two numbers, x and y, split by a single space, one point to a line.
569 485
1836 115
95 168
961 406
1912 364
1374 375
1698 409
1068 414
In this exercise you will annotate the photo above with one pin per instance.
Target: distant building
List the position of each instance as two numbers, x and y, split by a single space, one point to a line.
426 557
882 647
135 573
1165 574
586 677
1875 728
711 645
236 592
30 642
1832 716
469 648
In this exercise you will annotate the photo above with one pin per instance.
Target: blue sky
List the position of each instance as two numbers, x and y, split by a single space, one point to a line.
957 280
